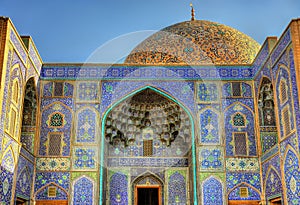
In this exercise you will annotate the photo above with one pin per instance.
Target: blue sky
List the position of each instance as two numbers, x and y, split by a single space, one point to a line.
71 30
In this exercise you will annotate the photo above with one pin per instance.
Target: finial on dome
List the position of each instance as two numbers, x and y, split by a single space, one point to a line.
193 12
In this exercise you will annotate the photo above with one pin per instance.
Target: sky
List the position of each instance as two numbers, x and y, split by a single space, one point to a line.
72 31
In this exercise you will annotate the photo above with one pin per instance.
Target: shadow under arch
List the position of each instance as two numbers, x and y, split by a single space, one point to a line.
192 138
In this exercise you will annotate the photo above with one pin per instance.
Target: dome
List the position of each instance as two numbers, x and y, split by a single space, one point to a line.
195 42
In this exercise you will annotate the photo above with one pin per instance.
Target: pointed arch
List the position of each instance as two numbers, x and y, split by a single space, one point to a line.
83 191
212 191
272 184
62 192
291 169
8 159
187 111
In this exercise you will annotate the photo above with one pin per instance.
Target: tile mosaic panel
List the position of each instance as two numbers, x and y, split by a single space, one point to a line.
235 193
88 91
292 177
118 189
261 58
284 75
242 164
212 192
85 158
83 191
34 56
87 124
147 162
60 178
24 178
211 158
235 178
177 189
281 46
268 139
114 91
273 185
5 95
207 92
209 127
148 73
6 182
43 194
65 129
248 128
53 164
15 41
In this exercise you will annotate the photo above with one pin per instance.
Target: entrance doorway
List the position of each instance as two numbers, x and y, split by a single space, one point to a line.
52 202
147 195
241 202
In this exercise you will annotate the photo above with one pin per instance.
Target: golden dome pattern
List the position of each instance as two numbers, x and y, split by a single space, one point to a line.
195 43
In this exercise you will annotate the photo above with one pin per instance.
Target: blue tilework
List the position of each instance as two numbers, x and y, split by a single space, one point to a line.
212 192
117 72
87 123
65 129
177 189
235 178
235 194
249 129
83 192
209 127
118 189
114 91
292 177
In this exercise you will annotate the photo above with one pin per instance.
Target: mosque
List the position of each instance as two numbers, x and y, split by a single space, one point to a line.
198 114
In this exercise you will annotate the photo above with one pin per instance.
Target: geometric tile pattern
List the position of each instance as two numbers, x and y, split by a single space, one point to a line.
235 194
24 178
66 123
211 158
248 129
268 139
6 182
235 178
118 193
43 194
84 158
177 189
53 164
83 192
87 124
61 179
273 185
207 92
242 164
88 91
113 91
212 190
209 127
292 177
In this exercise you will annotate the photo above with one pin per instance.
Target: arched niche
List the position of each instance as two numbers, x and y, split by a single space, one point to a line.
29 115
266 103
145 130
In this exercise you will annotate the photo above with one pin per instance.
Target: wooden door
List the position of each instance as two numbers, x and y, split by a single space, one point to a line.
52 202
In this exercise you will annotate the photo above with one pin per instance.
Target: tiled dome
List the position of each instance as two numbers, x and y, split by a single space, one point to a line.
195 42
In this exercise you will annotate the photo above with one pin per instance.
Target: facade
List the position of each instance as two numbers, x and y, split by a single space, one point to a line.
199 113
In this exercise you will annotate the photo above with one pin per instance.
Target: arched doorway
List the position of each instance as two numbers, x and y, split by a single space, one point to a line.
148 190
147 132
